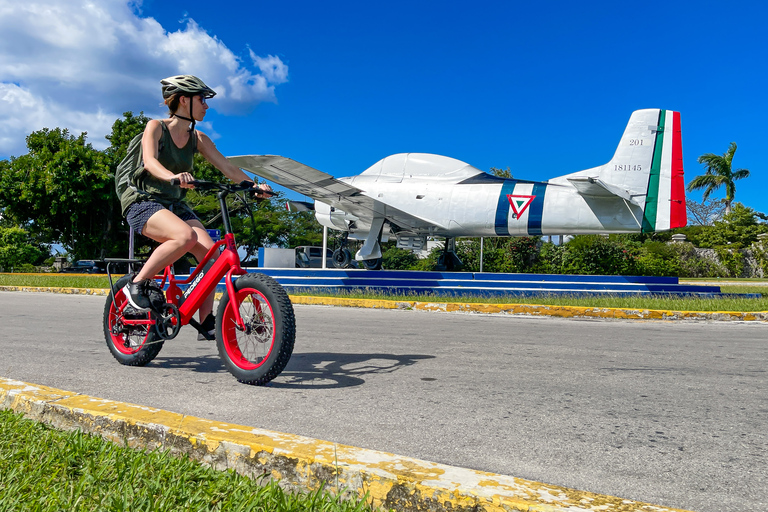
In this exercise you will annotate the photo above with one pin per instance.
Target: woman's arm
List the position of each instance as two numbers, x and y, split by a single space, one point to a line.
208 149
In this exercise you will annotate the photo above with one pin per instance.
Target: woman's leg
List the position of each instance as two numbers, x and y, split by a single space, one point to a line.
176 239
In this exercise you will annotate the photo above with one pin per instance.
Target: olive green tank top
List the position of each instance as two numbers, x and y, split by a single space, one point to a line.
173 158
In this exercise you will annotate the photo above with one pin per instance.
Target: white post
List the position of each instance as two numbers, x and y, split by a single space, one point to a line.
325 245
481 254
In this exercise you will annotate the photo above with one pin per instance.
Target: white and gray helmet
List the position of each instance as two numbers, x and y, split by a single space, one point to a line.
188 85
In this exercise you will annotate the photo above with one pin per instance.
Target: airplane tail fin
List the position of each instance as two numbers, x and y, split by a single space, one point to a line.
647 170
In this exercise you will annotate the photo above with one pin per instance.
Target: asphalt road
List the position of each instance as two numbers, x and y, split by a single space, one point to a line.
669 413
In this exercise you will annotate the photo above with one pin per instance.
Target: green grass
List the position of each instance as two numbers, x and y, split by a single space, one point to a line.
42 469
56 280
607 301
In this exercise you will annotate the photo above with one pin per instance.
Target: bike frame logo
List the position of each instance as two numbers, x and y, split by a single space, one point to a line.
194 283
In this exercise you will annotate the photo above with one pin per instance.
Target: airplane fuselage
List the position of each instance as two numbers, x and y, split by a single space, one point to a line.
641 189
489 206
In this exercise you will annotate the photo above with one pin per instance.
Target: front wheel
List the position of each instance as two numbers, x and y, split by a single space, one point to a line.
131 345
259 352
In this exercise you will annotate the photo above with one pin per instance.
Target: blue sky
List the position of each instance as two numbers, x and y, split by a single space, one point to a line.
542 88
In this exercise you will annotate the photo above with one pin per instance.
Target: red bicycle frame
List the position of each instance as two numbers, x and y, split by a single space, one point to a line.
203 283
207 275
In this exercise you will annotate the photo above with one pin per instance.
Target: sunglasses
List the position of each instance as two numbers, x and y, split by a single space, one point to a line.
202 100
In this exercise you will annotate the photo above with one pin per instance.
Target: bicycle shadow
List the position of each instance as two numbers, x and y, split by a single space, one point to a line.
210 363
308 370
323 370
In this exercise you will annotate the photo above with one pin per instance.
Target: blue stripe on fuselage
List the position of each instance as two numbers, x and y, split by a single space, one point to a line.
503 207
536 209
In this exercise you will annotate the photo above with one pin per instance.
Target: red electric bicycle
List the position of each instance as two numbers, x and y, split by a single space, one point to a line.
255 324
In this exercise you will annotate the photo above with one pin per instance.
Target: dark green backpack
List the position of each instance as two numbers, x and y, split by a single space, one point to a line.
129 167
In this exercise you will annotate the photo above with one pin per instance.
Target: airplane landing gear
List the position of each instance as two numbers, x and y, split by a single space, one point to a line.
374 264
449 261
342 258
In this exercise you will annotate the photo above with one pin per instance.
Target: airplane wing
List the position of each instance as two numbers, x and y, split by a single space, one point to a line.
325 188
295 176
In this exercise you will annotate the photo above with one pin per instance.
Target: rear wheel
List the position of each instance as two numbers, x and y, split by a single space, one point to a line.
131 345
257 354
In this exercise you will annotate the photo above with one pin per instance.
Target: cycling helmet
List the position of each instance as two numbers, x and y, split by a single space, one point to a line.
188 85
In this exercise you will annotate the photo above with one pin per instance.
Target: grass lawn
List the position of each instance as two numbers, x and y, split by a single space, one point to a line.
42 470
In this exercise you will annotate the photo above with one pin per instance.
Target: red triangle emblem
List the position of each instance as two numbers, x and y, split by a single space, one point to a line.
519 203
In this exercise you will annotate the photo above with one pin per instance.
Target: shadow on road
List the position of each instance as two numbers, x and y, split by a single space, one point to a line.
323 370
200 364
318 370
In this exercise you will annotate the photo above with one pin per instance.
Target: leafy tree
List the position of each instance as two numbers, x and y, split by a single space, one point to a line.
500 254
398 259
596 254
302 228
658 259
501 173
61 192
736 229
719 173
123 131
16 250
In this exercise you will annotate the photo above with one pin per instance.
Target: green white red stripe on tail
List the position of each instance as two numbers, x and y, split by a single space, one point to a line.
665 202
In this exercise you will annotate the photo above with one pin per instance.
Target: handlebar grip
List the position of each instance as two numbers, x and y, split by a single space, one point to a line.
176 182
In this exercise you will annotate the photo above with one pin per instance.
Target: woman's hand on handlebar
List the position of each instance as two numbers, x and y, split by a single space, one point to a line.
184 180
264 191
260 192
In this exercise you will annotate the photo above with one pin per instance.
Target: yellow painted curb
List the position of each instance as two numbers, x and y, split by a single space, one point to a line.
302 463
507 309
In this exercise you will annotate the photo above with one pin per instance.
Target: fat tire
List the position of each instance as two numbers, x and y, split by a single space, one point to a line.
152 344
283 333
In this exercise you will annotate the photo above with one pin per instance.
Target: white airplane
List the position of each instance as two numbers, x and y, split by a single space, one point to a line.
412 196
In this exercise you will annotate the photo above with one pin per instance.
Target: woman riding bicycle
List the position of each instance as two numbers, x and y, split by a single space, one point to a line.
156 209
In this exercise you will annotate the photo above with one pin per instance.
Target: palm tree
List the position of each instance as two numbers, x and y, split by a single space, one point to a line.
719 173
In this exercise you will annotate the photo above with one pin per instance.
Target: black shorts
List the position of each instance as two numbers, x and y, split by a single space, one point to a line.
138 214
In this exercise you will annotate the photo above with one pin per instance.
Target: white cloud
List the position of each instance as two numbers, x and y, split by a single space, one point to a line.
80 64
273 69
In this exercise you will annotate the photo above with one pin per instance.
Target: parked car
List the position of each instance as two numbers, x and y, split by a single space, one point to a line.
86 267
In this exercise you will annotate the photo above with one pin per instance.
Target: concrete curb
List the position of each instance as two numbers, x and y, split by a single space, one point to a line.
302 463
506 309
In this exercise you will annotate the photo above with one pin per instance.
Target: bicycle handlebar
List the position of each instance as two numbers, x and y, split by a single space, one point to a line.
243 186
